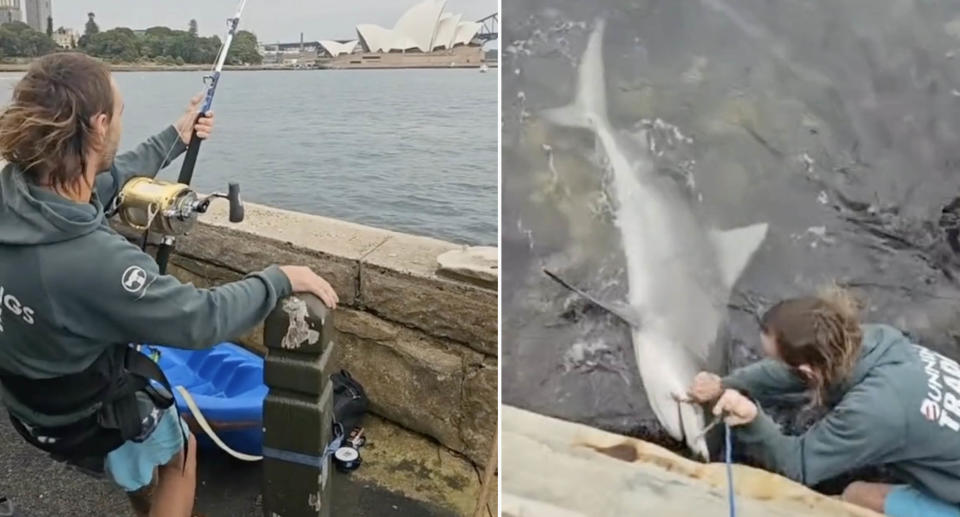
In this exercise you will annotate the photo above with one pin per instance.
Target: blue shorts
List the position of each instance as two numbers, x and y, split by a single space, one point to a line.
132 465
906 501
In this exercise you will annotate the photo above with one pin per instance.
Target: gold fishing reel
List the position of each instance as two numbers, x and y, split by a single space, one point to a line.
169 208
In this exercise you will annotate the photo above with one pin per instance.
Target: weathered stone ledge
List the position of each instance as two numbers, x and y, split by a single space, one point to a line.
554 468
423 345
391 274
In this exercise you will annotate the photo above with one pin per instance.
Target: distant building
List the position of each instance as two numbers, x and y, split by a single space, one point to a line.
10 11
302 52
38 11
422 28
66 38
423 37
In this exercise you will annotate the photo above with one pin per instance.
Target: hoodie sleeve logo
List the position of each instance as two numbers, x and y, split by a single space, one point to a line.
942 403
134 279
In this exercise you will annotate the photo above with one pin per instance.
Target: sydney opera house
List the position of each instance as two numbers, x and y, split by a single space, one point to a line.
424 36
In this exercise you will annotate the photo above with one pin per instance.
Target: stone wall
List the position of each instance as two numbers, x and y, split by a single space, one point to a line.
423 344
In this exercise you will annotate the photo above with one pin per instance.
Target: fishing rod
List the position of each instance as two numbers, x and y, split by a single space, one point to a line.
171 209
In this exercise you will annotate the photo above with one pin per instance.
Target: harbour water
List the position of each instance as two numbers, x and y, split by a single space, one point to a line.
406 150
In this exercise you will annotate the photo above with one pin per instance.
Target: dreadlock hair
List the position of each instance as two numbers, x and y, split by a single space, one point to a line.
46 130
820 331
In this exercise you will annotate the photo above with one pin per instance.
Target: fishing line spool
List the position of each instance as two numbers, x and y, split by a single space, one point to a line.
347 459
169 208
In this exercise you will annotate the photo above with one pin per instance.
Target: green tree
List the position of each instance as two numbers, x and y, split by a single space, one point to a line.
92 27
245 49
49 26
17 39
160 31
119 44
207 49
193 28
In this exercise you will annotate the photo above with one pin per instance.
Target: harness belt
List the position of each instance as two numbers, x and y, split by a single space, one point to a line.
111 385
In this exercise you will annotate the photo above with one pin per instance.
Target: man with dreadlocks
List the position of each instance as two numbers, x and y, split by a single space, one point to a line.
74 294
891 403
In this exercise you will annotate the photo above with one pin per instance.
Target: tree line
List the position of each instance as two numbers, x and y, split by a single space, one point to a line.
161 45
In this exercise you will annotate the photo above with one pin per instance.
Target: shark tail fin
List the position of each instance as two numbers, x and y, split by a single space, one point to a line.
590 104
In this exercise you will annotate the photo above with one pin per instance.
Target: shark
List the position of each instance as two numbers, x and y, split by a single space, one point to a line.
680 271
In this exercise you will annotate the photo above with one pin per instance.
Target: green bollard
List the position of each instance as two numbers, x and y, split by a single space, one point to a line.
298 410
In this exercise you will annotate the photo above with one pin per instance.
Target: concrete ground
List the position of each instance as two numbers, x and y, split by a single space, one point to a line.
40 487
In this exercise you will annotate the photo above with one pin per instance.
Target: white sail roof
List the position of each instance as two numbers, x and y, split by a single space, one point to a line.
446 30
335 48
466 31
423 27
419 23
377 39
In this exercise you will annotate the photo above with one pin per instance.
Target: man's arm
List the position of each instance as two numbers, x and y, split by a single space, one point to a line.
146 160
119 296
767 381
854 434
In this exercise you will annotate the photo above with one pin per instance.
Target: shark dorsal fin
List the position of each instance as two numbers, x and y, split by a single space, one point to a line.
735 247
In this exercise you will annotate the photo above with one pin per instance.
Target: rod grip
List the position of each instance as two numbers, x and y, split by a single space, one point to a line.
190 161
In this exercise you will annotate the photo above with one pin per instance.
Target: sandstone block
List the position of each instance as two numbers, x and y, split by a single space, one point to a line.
479 426
410 378
477 262
399 282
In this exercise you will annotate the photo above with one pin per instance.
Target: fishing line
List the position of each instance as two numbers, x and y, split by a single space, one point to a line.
728 459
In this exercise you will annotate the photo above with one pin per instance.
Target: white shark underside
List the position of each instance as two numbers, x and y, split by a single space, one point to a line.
679 272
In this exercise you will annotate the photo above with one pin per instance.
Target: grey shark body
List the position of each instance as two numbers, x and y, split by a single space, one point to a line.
680 272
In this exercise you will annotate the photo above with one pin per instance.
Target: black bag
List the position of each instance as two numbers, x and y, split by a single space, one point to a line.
349 401
112 381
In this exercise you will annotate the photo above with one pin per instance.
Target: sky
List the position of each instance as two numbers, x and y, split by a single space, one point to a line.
270 20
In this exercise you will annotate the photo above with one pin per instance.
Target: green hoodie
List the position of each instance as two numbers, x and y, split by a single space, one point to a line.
70 286
900 408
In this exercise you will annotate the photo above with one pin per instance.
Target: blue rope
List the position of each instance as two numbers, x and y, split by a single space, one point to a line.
728 458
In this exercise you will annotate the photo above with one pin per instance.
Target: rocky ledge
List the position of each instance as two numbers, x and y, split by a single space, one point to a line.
561 469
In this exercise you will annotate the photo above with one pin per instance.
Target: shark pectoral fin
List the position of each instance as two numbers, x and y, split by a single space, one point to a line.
735 247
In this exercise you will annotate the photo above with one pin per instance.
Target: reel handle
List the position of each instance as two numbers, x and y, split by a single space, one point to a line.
232 196
236 204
